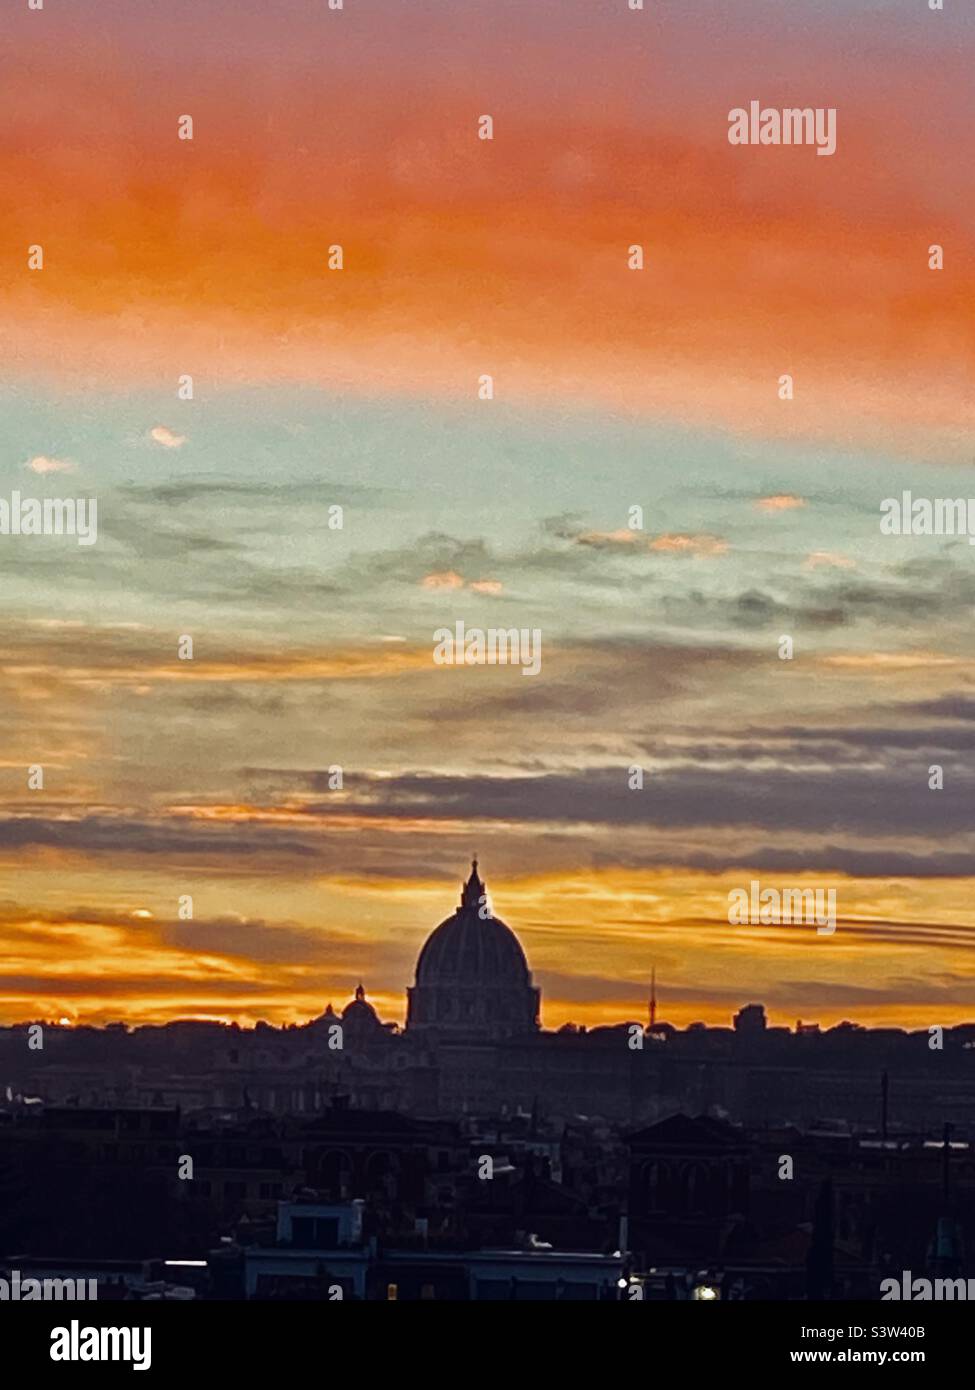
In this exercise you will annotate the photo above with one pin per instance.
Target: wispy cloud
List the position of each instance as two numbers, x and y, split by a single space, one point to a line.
828 559
163 435
447 579
689 545
42 463
609 538
450 579
780 502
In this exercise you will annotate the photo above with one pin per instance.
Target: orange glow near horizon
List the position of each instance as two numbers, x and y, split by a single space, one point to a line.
128 968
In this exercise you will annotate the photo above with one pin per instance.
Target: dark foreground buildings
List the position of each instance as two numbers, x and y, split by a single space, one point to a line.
374 1204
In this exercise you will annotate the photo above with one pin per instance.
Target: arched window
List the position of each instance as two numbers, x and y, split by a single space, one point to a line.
333 1173
697 1188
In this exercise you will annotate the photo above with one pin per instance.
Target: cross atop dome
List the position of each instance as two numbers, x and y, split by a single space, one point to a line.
473 889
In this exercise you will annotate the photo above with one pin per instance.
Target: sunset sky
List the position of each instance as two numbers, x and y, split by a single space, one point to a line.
613 388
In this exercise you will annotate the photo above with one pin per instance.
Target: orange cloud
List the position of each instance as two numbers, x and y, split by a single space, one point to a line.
893 661
781 502
820 559
42 464
690 545
621 537
350 663
446 579
450 579
166 437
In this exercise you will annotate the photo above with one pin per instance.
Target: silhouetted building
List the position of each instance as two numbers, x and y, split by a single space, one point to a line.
750 1021
473 1045
472 978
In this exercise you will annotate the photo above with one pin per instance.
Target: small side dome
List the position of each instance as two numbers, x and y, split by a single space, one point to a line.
359 1013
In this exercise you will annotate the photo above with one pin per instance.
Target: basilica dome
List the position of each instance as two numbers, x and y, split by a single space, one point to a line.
471 975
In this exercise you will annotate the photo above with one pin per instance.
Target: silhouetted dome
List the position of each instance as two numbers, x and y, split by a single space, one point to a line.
359 1014
470 948
471 974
